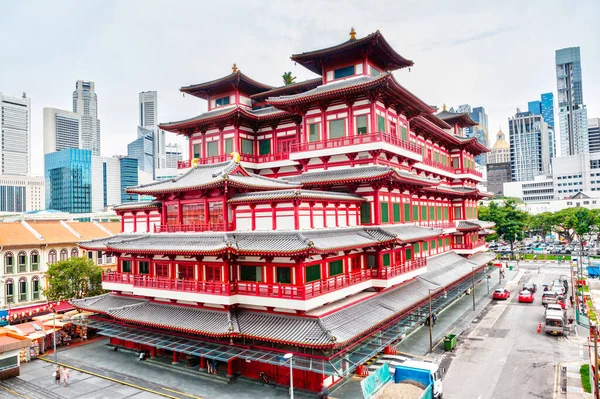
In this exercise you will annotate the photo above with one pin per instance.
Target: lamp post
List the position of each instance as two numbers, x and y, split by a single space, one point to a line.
473 285
289 356
431 319
53 332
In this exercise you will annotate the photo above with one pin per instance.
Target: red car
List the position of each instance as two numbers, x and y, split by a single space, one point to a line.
501 293
526 296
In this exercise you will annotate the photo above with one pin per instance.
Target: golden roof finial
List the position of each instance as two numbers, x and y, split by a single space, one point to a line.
444 107
236 157
352 34
234 68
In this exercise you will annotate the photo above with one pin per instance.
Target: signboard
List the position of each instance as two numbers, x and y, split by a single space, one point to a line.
374 382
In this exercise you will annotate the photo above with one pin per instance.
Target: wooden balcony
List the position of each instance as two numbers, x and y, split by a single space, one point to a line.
192 228
437 224
438 165
399 269
355 140
469 245
243 157
469 171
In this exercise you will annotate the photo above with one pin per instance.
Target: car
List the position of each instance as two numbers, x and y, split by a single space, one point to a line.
501 293
549 297
531 287
526 296
554 306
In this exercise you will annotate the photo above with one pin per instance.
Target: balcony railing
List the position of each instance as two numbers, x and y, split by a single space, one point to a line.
470 171
439 165
354 140
192 228
469 245
243 157
437 224
398 269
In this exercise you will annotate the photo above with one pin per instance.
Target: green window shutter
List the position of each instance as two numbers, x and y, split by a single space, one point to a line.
407 212
336 267
380 123
415 213
248 273
437 157
425 246
264 147
385 212
445 213
313 273
403 133
417 248
212 149
423 212
433 244
432 213
284 275
365 213
313 132
408 254
247 147
455 163
228 146
361 124
447 241
126 266
396 210
197 151
386 259
440 243
439 212
336 129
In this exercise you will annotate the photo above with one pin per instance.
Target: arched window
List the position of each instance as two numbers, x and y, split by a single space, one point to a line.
34 261
22 262
22 289
35 288
64 254
52 257
9 263
74 253
9 291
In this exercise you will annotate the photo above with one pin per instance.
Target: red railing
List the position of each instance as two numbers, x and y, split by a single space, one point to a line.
192 228
470 171
431 162
469 245
354 140
437 224
207 287
243 157
287 291
317 288
398 269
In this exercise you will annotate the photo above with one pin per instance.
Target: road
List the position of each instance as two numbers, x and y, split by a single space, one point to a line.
501 355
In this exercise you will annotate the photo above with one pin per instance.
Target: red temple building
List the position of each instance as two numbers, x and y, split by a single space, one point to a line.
313 218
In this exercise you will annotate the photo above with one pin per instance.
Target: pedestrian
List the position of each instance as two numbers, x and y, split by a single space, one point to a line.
214 366
434 317
324 394
56 375
209 366
65 375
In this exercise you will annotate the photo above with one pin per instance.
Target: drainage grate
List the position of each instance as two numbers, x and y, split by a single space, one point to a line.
563 379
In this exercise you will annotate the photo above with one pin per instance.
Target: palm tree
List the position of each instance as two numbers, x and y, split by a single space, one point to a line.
288 79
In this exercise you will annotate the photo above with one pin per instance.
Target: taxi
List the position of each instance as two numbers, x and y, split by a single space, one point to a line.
501 293
526 296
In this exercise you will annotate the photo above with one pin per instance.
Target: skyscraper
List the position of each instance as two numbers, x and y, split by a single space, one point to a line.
572 113
62 130
480 131
129 178
535 107
529 146
498 165
15 136
174 155
85 103
148 106
545 107
69 180
594 134
142 149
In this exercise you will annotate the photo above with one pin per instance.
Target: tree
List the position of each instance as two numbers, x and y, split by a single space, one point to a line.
510 220
73 278
288 79
541 224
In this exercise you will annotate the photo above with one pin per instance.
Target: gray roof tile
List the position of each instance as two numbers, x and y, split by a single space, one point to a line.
355 173
295 194
336 85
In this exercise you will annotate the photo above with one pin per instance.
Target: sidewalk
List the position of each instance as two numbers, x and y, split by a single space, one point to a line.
573 381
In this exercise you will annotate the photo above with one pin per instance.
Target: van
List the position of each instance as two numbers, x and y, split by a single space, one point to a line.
549 297
555 322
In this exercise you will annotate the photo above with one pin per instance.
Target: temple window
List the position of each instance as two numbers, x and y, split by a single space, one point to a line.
250 273
213 273
126 266
212 149
284 275
385 259
247 147
336 128
371 262
408 254
375 72
361 124
407 212
196 151
144 267
313 273
415 213
215 212
403 133
192 213
385 212
380 123
313 132
336 267
264 147
343 72
423 212
221 101
228 146
457 213
396 211
455 163
172 214
365 213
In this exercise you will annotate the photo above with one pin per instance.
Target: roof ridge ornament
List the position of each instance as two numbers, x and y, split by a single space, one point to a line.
444 107
352 33
234 68
236 156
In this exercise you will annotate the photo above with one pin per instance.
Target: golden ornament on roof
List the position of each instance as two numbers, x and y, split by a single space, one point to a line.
352 34
236 157
234 68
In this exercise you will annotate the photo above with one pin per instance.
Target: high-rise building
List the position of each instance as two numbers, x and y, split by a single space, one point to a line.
21 193
142 149
479 131
529 146
498 164
148 106
106 182
62 130
535 107
501 150
174 155
594 134
69 180
129 178
85 103
572 113
545 108
15 128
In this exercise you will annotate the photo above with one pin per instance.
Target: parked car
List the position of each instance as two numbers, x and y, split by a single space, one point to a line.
501 293
531 287
549 297
554 306
526 296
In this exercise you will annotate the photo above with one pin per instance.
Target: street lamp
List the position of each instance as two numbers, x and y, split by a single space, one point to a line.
289 356
53 332
473 284
430 317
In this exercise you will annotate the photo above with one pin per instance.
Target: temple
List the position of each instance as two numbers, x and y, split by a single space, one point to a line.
314 218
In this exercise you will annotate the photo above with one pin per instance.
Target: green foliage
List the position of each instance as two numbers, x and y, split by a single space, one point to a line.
542 223
73 278
584 371
288 79
510 220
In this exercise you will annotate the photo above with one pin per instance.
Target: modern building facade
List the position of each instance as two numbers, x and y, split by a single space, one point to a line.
572 113
15 135
576 173
21 193
540 188
62 130
345 190
85 103
106 182
129 178
498 166
174 155
142 149
529 146
68 175
594 134
545 108
148 106
479 131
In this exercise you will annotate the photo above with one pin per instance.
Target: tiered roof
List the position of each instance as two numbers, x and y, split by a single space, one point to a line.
307 195
292 88
234 81
461 118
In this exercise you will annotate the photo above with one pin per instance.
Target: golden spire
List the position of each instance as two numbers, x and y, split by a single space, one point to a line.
234 68
352 34
444 107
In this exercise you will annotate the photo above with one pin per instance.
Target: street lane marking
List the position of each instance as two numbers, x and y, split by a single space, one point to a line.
14 392
110 379
181 393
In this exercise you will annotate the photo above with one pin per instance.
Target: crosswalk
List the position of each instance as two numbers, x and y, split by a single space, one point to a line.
16 388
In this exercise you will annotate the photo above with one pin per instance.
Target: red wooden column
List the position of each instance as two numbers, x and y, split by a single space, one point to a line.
234 215
134 221
147 221
347 214
202 364
152 352
225 213
179 213
296 215
376 205
269 272
273 216
172 271
298 273
325 214
163 215
175 358
337 220
253 216
312 214
230 368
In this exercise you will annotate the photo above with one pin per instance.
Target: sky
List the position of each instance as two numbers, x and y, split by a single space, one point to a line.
495 54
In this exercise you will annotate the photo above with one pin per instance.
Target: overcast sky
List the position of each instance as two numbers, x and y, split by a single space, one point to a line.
495 54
